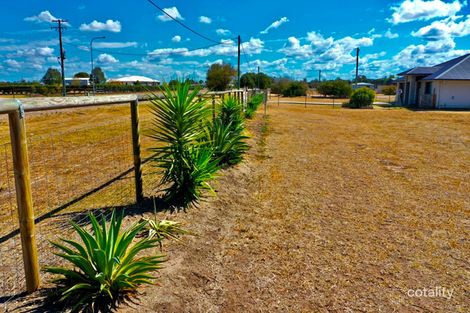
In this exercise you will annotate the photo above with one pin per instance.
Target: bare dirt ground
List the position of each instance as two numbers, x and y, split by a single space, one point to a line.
334 210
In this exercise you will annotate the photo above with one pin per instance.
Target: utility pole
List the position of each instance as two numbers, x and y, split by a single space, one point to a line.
319 76
92 77
62 54
357 66
257 80
239 44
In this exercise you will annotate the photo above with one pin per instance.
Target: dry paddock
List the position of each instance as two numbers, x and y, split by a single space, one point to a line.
333 210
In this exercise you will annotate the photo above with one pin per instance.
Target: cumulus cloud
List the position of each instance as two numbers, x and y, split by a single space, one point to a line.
275 25
451 27
205 19
388 34
176 38
223 32
12 64
107 59
95 26
44 16
229 48
173 12
412 10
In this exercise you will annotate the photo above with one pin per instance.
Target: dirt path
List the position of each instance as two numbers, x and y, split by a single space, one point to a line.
334 211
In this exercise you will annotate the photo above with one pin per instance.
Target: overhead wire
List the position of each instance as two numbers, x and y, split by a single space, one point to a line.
181 23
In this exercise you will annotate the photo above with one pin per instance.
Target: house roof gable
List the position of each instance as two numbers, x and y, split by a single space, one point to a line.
455 69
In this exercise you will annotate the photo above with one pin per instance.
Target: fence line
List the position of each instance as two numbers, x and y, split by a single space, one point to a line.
52 165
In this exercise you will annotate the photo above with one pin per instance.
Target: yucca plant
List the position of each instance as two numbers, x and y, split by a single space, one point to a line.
231 112
179 120
106 267
228 142
253 105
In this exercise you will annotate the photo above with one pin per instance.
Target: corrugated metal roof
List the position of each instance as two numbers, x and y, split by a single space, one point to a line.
455 69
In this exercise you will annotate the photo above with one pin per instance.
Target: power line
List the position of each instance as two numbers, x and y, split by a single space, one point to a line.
182 24
60 27
246 59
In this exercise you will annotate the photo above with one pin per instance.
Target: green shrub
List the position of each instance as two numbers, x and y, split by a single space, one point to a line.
253 105
362 97
231 112
390 90
295 89
337 88
106 270
179 121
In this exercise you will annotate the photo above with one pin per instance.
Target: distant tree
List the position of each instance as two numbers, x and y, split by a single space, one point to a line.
264 81
295 89
52 77
336 88
390 90
248 80
81 75
98 75
279 85
172 83
219 76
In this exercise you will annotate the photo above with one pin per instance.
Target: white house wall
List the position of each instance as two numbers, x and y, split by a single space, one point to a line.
453 94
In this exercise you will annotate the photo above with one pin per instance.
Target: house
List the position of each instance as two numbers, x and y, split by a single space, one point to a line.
77 81
134 80
443 86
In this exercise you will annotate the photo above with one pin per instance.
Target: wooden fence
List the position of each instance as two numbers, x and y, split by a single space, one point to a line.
17 110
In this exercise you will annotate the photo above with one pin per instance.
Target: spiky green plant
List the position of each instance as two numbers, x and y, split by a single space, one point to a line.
231 112
228 142
106 269
165 229
179 120
253 105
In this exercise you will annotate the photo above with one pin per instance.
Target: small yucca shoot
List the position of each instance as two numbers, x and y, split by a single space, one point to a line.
106 269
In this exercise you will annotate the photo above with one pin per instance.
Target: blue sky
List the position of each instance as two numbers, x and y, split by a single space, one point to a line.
285 38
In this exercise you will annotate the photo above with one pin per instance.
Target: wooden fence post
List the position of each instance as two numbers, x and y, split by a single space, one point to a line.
23 198
139 191
213 108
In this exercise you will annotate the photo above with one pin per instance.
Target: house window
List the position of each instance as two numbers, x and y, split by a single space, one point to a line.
428 88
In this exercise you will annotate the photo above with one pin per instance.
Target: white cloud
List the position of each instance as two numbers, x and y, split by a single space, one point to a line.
388 34
275 25
173 12
107 59
44 16
412 10
446 28
176 38
12 64
223 32
114 45
205 19
95 26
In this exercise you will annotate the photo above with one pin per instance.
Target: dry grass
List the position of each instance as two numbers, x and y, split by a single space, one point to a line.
334 210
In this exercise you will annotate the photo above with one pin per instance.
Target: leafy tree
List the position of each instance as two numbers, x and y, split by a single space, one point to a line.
361 98
52 77
81 75
390 90
279 85
219 76
295 89
98 75
337 88
248 80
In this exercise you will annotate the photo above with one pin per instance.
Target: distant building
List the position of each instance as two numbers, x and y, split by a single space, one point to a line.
362 85
134 80
78 81
443 86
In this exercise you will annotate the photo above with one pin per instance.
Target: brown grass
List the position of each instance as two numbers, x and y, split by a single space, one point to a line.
334 210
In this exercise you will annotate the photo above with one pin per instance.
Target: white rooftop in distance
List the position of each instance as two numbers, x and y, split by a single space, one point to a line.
142 79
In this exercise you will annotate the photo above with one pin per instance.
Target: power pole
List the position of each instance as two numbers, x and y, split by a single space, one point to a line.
239 44
319 76
357 66
92 76
62 54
